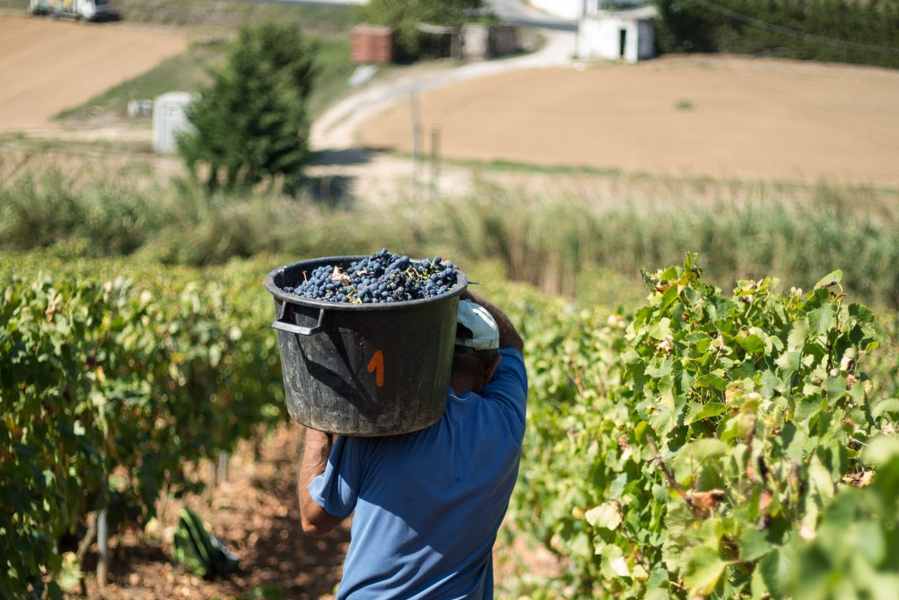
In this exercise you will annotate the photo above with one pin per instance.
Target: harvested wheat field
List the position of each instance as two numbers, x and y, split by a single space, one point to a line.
718 116
47 66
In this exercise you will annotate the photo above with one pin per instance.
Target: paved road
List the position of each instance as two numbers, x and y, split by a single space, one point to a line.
519 13
321 2
512 11
335 129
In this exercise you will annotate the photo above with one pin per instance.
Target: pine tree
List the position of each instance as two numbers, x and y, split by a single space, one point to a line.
251 124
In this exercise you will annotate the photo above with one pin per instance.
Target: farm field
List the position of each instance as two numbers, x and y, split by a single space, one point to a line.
722 117
47 66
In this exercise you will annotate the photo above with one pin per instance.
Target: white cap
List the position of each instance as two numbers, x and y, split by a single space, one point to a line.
484 332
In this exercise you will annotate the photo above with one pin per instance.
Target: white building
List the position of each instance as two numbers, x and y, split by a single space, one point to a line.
567 9
616 34
575 9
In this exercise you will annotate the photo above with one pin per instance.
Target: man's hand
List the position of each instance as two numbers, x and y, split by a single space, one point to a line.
316 448
508 335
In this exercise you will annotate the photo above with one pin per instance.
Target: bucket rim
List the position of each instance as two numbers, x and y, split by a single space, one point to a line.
370 435
281 295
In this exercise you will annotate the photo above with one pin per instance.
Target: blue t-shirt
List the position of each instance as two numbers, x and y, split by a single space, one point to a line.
428 504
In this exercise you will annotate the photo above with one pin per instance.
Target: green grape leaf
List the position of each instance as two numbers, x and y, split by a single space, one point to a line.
605 515
703 570
753 545
830 279
705 411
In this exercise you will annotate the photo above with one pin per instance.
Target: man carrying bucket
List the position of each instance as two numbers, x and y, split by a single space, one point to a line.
427 505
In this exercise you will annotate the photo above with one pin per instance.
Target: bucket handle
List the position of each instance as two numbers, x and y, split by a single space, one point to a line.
297 329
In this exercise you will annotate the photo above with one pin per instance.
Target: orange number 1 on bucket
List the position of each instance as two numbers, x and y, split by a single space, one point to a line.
376 364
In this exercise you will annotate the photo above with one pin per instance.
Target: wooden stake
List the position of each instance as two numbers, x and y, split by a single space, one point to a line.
435 162
415 114
221 468
103 545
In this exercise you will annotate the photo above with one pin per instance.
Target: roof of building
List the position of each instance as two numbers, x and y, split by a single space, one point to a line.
631 14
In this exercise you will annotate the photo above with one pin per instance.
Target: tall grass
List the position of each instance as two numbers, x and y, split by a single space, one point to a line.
555 242
178 223
100 219
559 244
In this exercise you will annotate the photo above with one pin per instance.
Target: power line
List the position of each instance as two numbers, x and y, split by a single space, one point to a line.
759 23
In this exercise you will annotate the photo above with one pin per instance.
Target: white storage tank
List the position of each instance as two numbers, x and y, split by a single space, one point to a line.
169 120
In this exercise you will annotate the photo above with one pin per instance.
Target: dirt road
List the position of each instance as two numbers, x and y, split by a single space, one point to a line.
47 66
718 116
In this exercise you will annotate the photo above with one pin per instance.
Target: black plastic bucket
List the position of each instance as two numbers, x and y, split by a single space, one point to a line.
363 369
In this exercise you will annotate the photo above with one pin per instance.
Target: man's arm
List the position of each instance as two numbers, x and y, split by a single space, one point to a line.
313 518
508 335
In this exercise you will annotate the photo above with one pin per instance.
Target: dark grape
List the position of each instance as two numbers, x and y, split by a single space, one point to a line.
382 277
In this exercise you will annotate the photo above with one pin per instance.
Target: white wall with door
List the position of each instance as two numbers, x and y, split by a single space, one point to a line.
615 37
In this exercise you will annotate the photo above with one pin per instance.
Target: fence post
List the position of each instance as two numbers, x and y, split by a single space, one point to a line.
415 114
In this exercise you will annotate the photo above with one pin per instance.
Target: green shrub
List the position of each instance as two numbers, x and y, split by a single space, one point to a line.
685 451
855 550
112 392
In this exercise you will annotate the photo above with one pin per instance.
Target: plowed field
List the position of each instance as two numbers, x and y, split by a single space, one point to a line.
47 66
717 116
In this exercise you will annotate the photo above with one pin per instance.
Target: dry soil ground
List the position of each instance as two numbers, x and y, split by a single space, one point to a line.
718 116
47 66
255 513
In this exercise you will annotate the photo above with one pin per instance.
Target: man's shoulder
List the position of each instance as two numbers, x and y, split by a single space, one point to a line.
511 376
504 399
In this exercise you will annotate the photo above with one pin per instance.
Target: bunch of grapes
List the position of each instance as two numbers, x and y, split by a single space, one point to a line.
379 278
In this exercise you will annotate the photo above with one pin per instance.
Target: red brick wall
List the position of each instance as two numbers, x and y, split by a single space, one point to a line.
371 45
